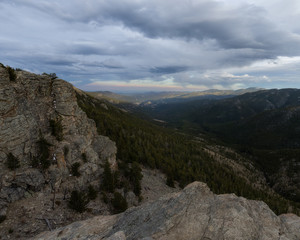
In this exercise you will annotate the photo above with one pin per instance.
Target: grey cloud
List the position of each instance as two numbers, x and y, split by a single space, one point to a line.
168 69
129 39
64 62
244 26
241 27
95 49
82 49
111 63
107 63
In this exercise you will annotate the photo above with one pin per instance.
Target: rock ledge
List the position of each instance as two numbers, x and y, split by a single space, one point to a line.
193 213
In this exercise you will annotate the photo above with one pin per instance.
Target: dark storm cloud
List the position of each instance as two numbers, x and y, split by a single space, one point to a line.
168 69
240 27
64 62
243 26
87 50
95 49
139 39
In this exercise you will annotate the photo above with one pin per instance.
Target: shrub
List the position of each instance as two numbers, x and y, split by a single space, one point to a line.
84 158
44 152
117 182
12 162
108 179
12 74
74 169
170 181
136 177
66 151
2 218
43 158
56 129
104 197
34 161
51 75
78 201
119 203
92 193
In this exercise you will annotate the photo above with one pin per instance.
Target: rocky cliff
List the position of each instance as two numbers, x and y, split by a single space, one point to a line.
40 120
194 213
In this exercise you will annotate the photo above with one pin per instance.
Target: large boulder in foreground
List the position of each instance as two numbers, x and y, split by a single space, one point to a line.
194 213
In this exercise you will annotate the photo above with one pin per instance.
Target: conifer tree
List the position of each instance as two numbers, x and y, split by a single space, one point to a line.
136 177
119 203
108 180
12 162
78 201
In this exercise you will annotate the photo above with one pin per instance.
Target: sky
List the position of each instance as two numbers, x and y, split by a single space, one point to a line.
155 45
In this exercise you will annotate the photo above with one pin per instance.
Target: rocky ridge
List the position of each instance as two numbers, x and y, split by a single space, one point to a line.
194 213
28 104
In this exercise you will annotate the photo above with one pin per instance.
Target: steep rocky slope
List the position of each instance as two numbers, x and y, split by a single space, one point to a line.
29 104
194 213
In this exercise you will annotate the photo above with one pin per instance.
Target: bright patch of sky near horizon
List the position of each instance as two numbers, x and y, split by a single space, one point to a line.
139 45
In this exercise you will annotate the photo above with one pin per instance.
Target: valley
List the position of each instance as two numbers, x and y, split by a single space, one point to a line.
68 156
197 148
263 126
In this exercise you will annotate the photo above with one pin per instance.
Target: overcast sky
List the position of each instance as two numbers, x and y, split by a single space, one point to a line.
143 45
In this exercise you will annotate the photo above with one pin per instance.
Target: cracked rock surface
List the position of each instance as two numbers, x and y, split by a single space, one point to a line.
28 104
194 213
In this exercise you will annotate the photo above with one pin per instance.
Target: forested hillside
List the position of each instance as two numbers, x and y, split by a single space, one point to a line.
181 157
264 126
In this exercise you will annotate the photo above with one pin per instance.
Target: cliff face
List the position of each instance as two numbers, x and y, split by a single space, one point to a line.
27 106
194 213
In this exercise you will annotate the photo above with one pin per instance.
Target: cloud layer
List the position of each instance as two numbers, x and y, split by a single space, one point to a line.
192 43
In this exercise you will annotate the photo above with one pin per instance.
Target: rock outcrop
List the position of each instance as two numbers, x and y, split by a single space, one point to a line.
28 104
194 213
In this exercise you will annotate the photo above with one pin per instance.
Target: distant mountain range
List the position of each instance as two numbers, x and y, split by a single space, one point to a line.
159 97
241 118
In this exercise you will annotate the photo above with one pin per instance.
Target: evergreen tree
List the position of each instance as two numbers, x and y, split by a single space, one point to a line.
12 74
136 177
78 201
108 179
74 169
57 128
92 193
12 162
119 203
170 181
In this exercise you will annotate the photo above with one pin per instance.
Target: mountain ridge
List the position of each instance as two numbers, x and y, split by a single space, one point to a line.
60 143
169 96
